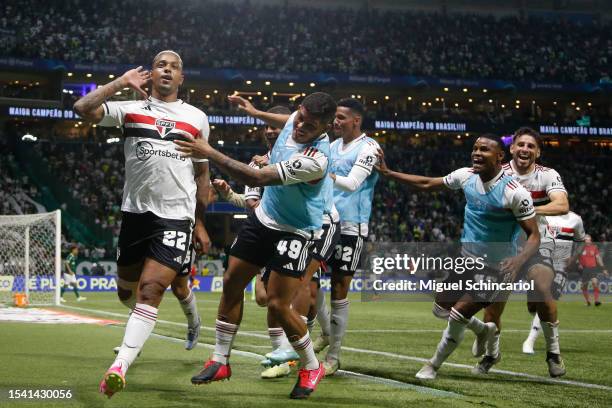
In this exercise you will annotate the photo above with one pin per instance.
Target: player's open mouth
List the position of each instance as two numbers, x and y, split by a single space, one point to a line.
166 77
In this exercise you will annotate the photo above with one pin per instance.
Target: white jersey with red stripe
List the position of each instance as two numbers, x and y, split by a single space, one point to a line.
157 177
566 229
540 183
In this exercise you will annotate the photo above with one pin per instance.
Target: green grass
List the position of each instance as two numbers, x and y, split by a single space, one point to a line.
76 356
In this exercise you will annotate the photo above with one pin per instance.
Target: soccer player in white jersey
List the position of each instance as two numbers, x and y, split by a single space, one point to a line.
568 232
280 234
353 159
165 193
549 198
497 208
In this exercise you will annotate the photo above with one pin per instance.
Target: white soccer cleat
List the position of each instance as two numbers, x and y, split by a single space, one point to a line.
331 367
81 298
480 342
62 300
528 347
427 372
278 371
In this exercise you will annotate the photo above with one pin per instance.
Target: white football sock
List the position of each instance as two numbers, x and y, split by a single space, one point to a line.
137 330
339 321
551 335
225 333
535 329
276 337
440 312
451 338
308 358
323 313
190 308
476 325
492 346
310 324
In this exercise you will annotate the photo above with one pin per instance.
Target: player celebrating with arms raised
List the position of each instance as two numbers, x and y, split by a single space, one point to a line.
497 207
549 198
280 234
162 193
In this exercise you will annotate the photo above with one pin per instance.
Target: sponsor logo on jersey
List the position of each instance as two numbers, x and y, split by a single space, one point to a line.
164 126
145 150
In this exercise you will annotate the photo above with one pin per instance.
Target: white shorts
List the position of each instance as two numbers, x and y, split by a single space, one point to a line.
69 279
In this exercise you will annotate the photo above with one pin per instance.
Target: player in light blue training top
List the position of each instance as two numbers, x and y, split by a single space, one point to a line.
353 155
280 234
496 206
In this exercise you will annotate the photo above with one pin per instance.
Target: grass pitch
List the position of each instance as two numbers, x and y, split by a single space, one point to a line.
385 343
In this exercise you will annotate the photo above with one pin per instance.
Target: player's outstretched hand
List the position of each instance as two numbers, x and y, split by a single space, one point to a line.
381 165
243 104
221 186
261 161
137 79
196 148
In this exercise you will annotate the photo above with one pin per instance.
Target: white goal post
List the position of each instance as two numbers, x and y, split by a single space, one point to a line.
30 258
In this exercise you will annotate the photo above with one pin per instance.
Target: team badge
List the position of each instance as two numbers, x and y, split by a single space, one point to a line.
164 126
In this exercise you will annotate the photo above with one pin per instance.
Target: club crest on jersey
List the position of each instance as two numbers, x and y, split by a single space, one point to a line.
164 126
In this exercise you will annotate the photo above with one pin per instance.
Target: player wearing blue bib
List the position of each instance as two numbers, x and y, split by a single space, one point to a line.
353 155
280 234
496 205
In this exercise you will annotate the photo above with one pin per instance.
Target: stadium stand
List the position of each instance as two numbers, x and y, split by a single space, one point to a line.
243 35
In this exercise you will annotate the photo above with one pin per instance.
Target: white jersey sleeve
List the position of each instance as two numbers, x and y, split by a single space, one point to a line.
253 193
553 181
458 178
308 165
114 113
519 200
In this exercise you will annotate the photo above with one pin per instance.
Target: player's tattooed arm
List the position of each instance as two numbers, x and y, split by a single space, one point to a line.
276 120
243 173
90 107
558 205
413 180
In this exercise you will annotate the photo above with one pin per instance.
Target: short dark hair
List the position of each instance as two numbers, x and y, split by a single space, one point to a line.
280 109
353 104
321 105
525 130
494 138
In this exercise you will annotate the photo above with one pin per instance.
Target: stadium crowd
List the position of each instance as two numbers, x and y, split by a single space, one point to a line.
290 39
17 194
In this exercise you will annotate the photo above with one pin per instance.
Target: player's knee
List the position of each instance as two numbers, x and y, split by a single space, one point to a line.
126 291
277 307
150 292
180 291
261 299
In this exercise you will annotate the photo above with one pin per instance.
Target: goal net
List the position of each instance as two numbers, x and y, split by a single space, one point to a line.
30 258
